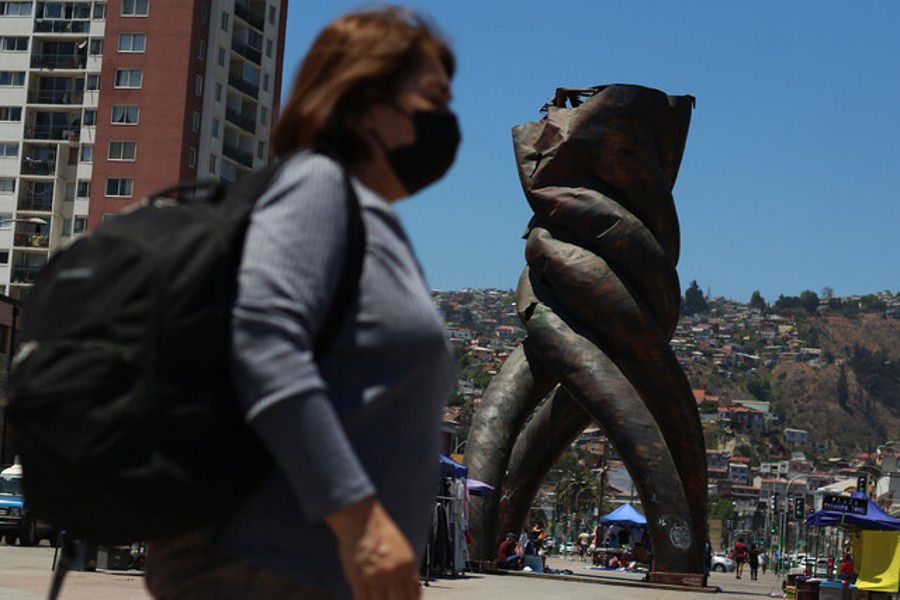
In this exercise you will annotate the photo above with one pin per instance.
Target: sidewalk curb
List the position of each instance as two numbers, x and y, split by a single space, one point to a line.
596 579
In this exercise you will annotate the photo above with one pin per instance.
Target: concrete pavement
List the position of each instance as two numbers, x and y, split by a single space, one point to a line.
25 575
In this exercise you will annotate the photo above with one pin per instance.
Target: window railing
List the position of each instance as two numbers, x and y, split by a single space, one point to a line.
236 154
54 132
32 240
243 85
39 202
61 26
247 51
236 118
58 61
55 97
249 16
38 166
25 274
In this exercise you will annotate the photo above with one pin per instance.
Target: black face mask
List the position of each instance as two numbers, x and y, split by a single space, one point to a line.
428 158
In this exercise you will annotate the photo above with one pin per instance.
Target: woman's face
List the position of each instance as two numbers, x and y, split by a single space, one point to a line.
428 89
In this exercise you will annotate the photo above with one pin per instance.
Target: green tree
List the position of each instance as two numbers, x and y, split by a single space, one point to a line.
757 301
694 300
809 300
758 386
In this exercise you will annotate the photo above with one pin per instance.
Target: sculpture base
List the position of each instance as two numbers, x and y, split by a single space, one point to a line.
682 579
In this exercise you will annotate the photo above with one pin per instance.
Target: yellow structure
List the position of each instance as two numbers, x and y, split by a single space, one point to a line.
877 556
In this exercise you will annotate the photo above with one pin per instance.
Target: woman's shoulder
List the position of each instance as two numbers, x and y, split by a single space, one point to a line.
307 182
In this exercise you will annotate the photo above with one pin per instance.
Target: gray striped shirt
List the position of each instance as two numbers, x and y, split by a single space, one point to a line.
365 418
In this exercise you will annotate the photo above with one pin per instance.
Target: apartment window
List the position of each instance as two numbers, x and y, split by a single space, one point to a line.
229 171
263 115
100 11
6 222
132 42
195 122
119 187
198 85
201 49
83 189
266 82
125 115
204 13
10 113
109 217
4 259
69 194
222 57
67 227
192 158
12 78
225 17
215 128
122 151
15 9
218 92
212 164
96 47
90 117
272 15
9 149
269 48
87 153
79 225
129 78
261 151
92 82
7 185
135 8
9 43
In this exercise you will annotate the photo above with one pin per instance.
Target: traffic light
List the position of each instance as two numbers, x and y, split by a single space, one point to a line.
861 484
776 505
799 508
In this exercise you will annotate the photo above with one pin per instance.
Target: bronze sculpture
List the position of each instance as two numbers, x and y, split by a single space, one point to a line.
600 300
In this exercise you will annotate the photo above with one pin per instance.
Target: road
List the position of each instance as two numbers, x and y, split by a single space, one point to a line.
25 575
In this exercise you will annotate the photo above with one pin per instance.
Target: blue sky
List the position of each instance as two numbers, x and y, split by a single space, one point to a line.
791 175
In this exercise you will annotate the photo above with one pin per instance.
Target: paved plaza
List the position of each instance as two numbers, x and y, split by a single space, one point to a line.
25 575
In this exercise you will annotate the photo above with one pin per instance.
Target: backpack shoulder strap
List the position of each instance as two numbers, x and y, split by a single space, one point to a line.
348 289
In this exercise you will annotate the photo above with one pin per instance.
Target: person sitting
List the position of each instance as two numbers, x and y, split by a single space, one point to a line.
507 557
847 568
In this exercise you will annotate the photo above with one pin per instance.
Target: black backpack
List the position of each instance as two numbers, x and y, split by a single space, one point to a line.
121 401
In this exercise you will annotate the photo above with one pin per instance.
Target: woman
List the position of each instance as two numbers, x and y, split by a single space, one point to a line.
753 558
353 430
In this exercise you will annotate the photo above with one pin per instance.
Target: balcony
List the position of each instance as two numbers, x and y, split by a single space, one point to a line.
247 51
26 275
31 240
61 26
249 16
239 156
68 133
55 97
58 61
241 84
36 202
38 166
246 123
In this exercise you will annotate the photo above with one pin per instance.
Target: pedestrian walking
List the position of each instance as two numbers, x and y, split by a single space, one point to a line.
764 562
740 556
353 427
753 561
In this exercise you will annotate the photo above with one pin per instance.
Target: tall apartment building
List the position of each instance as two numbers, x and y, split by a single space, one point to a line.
103 102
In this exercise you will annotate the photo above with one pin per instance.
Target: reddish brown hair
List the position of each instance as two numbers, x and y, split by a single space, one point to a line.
357 59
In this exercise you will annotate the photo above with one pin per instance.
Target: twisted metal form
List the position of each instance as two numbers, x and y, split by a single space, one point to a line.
599 299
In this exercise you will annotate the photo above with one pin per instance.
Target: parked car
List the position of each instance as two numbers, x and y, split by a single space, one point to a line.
569 548
722 563
15 520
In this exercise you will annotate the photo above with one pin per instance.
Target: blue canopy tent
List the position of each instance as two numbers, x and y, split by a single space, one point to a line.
451 468
875 518
626 514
